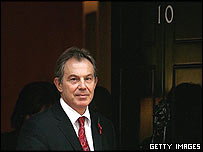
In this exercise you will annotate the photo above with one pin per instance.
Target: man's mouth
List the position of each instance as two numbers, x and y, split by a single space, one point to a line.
82 95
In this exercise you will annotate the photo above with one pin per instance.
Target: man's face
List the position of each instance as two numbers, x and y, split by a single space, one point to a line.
78 84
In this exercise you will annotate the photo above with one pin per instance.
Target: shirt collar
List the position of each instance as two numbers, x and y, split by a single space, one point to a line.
74 115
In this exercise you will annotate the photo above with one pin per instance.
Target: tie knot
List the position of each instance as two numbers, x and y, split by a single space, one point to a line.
81 121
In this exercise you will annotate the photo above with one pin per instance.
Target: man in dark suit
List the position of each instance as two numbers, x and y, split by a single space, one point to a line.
59 127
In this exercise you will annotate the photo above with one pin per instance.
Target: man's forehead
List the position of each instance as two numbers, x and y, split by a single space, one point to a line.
76 75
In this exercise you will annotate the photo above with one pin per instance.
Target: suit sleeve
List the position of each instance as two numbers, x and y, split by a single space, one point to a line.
114 145
109 136
31 137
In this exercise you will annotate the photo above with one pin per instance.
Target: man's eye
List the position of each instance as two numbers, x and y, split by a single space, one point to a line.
73 79
89 79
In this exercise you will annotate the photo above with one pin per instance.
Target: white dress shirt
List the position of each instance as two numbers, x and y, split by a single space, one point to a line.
73 116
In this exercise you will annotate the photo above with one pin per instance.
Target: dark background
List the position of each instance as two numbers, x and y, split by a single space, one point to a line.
137 56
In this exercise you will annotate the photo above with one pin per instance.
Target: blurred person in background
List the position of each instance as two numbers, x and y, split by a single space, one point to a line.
178 118
185 125
35 97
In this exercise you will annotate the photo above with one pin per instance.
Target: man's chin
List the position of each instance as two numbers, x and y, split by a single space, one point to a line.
83 103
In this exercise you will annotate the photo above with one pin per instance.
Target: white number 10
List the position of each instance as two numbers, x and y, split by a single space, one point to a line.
169 7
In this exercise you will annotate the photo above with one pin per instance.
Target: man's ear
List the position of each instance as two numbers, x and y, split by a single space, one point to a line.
58 84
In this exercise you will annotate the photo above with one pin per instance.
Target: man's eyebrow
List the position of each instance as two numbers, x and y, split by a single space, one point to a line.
90 75
73 75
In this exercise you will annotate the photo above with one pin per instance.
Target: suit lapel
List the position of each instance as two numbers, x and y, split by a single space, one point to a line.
69 132
66 127
97 138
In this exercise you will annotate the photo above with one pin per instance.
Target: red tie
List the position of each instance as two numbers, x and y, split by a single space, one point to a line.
81 134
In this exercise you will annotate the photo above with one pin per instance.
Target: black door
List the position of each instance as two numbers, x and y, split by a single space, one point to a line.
149 39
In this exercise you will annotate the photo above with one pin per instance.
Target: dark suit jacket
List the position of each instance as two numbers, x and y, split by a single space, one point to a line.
9 140
52 130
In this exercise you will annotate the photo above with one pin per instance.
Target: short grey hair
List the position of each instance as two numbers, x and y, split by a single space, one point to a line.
72 52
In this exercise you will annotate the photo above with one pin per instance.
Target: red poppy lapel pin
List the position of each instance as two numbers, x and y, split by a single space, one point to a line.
99 126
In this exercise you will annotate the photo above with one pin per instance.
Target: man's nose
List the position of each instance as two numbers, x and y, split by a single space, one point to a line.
82 84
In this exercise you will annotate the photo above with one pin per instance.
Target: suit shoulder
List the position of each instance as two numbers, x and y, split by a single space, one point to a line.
42 118
102 119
